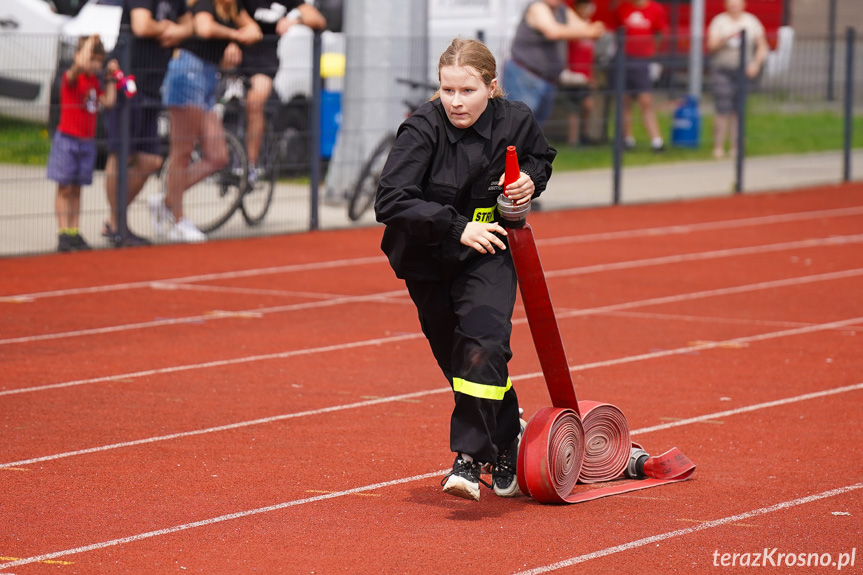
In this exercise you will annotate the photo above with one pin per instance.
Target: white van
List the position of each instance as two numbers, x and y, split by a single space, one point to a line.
35 41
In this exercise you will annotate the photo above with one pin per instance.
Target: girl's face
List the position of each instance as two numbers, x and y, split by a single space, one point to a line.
96 63
464 95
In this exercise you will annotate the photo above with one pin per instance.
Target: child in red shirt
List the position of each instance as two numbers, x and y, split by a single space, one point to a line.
644 22
73 150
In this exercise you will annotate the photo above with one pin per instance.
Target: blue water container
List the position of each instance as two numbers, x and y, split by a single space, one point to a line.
686 125
331 120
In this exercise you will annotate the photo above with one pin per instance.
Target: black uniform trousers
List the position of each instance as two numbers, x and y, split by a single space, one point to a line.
468 321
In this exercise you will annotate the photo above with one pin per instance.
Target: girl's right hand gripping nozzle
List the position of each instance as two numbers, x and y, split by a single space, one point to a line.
512 215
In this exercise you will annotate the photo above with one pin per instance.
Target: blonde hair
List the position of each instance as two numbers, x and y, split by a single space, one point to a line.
225 9
466 52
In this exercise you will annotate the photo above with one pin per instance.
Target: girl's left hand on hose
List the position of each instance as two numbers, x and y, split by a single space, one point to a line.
481 236
521 190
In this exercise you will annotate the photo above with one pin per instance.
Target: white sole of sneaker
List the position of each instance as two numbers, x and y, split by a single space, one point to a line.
461 487
512 491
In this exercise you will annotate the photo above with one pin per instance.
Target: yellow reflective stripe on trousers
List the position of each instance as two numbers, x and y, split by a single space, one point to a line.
480 390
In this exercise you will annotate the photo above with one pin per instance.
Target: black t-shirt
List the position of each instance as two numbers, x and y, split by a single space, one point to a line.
149 59
267 13
210 50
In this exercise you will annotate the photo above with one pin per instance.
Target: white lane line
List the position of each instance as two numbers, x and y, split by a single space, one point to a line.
378 297
220 519
230 426
218 363
606 236
707 319
199 278
705 226
554 566
174 286
689 530
788 282
568 314
582 367
708 255
707 345
749 408
387 297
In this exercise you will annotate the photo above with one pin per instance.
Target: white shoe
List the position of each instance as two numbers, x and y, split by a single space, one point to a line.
160 215
463 481
185 231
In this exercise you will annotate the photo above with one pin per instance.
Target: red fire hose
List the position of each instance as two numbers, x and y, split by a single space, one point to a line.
574 441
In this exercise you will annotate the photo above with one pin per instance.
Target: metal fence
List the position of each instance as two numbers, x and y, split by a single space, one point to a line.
813 84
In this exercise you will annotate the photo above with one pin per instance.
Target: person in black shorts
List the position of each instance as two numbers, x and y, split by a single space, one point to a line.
157 26
260 61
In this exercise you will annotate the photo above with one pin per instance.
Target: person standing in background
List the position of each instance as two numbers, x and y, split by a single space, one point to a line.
724 44
189 92
157 27
260 61
538 54
644 22
73 149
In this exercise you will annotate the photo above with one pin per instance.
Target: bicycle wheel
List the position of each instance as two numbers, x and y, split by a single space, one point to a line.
258 196
363 195
212 201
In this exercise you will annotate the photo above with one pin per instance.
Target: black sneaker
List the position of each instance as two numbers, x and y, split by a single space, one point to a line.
132 240
464 479
64 243
78 243
504 473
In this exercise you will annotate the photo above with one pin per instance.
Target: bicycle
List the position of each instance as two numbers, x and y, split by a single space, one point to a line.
363 194
258 193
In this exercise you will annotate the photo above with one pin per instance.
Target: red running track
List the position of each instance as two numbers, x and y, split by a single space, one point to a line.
269 405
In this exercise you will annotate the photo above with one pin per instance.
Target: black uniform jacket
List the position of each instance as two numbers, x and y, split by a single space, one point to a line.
438 177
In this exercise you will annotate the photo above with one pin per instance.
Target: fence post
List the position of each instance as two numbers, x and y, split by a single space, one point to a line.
850 41
741 113
315 136
619 76
122 196
831 48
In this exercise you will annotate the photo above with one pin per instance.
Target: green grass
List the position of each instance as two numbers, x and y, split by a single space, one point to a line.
768 133
23 142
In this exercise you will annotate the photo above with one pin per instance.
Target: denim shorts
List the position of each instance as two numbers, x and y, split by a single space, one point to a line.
521 84
72 160
190 81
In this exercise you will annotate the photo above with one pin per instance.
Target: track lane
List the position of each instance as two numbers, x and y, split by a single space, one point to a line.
379 521
256 549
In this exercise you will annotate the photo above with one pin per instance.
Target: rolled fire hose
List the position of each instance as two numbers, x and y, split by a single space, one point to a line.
574 441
